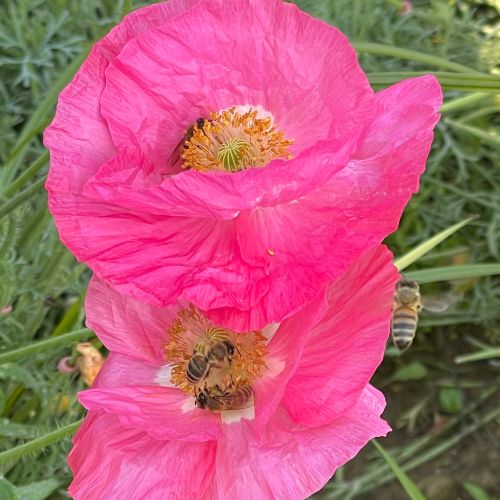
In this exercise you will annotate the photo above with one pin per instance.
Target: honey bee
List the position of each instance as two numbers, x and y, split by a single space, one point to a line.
215 399
407 305
176 155
218 354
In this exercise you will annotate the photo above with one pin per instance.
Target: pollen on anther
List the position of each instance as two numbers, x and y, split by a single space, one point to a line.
191 330
271 252
233 140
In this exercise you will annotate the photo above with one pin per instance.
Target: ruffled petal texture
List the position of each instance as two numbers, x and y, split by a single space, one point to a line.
112 462
347 343
288 461
292 461
251 247
313 407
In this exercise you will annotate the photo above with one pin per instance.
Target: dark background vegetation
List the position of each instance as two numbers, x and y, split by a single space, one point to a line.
442 406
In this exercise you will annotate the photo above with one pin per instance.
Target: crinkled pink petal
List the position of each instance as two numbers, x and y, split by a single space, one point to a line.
78 138
119 371
283 355
112 462
292 461
347 344
363 202
164 413
125 325
268 54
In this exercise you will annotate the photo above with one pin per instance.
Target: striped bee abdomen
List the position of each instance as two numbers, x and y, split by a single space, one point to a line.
404 326
197 368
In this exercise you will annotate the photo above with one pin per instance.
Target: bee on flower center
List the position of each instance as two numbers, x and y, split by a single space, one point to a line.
218 354
215 399
214 365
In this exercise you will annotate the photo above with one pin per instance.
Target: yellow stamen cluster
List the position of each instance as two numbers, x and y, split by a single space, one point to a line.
232 141
191 332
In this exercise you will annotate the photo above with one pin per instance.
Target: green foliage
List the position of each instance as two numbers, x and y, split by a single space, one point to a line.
450 399
42 43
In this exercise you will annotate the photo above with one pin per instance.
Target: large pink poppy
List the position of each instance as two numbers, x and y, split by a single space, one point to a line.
305 171
312 408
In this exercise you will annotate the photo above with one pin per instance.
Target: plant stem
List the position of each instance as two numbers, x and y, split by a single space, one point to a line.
44 345
38 444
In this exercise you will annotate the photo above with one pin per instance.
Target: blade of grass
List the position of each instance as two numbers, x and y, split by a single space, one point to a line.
448 273
475 82
24 195
38 444
409 486
45 345
411 55
32 170
478 356
463 102
425 247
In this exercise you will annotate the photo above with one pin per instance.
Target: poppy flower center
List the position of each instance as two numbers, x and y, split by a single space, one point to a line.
233 140
214 365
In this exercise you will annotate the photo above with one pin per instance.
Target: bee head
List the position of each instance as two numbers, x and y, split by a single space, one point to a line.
201 400
230 347
406 283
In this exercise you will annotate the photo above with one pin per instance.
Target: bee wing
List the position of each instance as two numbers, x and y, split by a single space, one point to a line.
435 306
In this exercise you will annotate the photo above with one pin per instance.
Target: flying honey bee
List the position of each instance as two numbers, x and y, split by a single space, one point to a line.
214 399
176 155
217 351
407 305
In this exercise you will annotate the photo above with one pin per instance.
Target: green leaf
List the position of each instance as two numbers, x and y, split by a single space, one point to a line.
450 400
37 491
475 491
411 371
449 273
425 247
409 486
7 490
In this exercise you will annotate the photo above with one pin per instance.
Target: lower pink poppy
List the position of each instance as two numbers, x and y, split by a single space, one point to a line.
299 404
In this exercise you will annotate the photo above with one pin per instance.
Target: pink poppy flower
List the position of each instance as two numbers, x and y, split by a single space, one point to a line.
295 166
309 407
